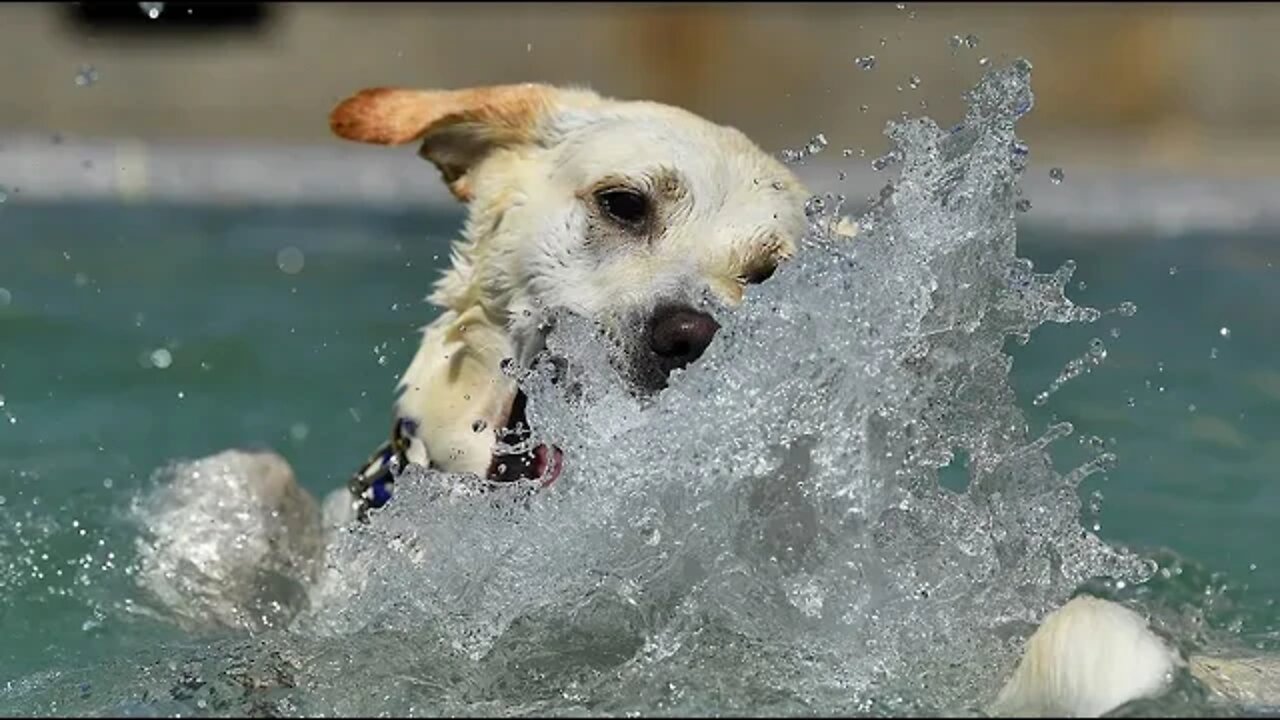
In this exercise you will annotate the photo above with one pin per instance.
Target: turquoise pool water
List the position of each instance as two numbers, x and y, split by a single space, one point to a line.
134 335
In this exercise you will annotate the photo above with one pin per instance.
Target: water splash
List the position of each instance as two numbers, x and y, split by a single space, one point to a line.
768 536
770 532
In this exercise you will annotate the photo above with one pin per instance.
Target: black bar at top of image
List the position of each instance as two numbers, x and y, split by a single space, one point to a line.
130 18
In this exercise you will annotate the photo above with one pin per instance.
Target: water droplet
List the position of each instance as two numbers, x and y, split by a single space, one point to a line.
290 260
1128 309
1191 407
6 297
181 395
814 207
107 483
971 40
86 76
1173 269
479 426
1115 332
984 61
1022 205
847 152
151 9
1 401
528 48
1056 175
816 144
1130 401
863 108
161 358
884 161
866 62
1225 332
914 81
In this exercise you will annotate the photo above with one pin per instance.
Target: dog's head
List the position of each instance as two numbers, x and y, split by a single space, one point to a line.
632 214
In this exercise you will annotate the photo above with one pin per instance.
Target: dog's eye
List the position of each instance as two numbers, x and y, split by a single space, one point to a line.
759 274
626 206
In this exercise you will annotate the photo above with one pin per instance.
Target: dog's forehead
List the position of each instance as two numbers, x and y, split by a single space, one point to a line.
639 138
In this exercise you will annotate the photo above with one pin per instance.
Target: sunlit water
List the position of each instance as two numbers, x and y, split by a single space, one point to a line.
853 503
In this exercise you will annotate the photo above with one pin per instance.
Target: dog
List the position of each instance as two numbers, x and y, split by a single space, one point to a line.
627 213
634 214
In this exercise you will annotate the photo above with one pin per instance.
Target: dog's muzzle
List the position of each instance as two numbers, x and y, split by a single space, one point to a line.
672 337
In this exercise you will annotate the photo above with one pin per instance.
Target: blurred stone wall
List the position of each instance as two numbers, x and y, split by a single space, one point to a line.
1130 83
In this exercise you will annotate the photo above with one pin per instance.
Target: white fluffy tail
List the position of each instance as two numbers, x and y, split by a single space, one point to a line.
1086 659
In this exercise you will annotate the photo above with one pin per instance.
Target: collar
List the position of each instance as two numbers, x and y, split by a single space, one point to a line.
371 486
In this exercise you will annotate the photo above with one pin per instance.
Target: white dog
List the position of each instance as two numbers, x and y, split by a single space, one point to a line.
623 212
632 214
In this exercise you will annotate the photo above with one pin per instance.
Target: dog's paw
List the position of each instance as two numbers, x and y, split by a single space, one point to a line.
229 540
1086 659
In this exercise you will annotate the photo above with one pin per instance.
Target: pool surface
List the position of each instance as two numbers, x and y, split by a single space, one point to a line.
132 335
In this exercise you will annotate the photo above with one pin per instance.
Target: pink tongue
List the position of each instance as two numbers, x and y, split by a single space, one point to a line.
548 463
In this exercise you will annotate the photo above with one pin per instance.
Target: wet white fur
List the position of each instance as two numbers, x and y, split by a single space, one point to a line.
1089 657
523 250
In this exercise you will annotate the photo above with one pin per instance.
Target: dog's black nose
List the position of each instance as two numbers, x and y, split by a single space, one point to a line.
679 335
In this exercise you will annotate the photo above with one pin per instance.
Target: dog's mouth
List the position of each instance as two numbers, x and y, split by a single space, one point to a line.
516 458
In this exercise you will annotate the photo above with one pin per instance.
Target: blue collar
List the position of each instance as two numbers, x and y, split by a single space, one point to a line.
371 486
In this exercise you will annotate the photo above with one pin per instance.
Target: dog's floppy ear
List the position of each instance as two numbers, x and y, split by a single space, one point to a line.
457 127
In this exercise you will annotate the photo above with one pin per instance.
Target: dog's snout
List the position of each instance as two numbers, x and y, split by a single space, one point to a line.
679 335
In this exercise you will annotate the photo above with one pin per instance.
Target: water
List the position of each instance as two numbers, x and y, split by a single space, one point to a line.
664 574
